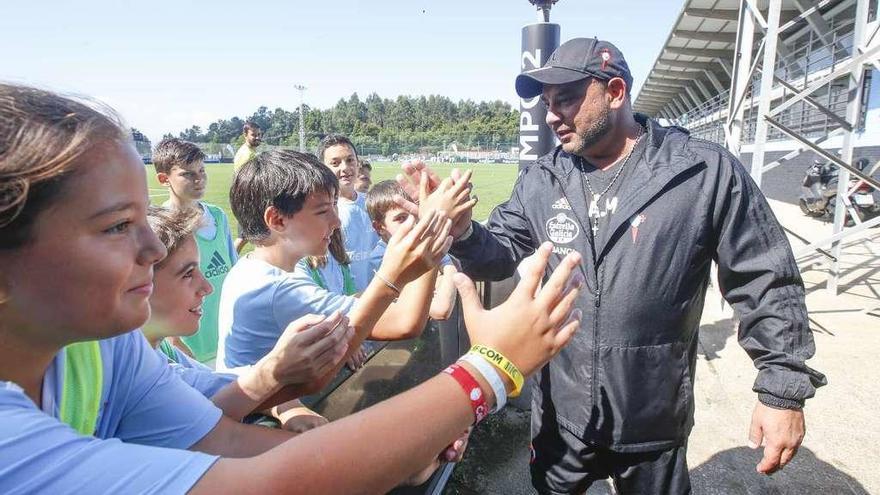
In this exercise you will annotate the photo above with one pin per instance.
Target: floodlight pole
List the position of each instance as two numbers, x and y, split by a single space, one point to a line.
543 7
302 127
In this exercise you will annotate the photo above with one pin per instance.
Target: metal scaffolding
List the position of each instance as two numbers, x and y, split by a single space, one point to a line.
751 71
865 51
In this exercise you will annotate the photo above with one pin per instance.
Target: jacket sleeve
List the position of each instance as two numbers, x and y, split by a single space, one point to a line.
758 276
493 251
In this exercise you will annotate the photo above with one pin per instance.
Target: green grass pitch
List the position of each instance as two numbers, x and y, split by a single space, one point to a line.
492 183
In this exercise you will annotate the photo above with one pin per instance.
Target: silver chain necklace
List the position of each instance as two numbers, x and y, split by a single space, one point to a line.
594 202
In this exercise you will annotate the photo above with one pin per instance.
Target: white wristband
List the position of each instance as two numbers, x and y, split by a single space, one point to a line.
491 375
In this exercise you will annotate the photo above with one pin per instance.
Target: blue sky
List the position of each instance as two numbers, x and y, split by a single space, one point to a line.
168 65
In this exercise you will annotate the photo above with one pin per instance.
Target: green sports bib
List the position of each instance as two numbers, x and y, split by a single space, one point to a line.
347 281
168 350
83 386
215 262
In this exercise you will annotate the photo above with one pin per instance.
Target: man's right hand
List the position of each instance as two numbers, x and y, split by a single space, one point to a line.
413 182
780 432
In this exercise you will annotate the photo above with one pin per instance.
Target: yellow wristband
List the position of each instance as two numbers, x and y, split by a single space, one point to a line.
503 364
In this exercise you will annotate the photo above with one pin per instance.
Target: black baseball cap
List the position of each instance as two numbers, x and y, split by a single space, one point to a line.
574 60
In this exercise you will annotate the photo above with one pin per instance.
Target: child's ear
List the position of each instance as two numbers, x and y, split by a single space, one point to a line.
162 177
380 229
275 220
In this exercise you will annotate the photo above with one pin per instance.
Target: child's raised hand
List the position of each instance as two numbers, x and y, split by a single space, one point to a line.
416 248
309 348
411 182
452 195
535 322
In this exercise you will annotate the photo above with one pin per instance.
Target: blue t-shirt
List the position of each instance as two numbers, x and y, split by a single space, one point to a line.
360 239
148 417
258 301
195 374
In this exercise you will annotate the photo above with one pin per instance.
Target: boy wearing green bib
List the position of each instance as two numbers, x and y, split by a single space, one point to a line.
180 167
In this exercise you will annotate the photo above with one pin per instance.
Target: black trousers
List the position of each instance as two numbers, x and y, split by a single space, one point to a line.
563 463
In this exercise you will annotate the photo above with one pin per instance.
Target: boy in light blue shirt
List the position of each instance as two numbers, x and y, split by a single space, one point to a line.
285 202
338 154
386 217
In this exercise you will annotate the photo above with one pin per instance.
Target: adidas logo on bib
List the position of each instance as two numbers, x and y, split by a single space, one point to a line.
216 267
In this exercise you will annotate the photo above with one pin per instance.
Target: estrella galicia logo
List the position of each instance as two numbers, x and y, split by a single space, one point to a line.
562 229
216 267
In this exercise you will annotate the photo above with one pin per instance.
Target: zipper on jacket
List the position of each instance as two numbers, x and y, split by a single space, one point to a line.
597 303
598 300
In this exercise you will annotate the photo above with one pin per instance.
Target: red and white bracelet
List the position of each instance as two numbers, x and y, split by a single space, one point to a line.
491 374
471 388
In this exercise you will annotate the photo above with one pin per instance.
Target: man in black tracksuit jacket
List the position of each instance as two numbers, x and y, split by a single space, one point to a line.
618 400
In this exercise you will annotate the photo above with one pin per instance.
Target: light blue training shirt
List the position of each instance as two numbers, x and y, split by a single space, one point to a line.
360 239
259 301
147 418
195 374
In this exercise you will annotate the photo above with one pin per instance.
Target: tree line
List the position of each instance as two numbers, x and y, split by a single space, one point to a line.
379 125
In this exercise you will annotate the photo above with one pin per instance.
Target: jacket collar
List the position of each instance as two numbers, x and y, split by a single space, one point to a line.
666 146
665 157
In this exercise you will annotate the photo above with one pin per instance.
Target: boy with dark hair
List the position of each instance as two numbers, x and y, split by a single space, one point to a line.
338 153
364 180
284 201
387 216
180 167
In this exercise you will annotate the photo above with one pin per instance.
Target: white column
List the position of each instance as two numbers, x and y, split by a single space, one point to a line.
769 64
853 108
739 77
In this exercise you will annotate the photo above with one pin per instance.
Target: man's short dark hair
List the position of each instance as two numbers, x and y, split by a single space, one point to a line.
174 152
366 164
250 126
279 178
334 140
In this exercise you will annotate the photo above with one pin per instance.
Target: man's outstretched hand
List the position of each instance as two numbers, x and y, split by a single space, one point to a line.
780 431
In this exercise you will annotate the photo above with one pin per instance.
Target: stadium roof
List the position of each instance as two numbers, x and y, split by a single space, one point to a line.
695 62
